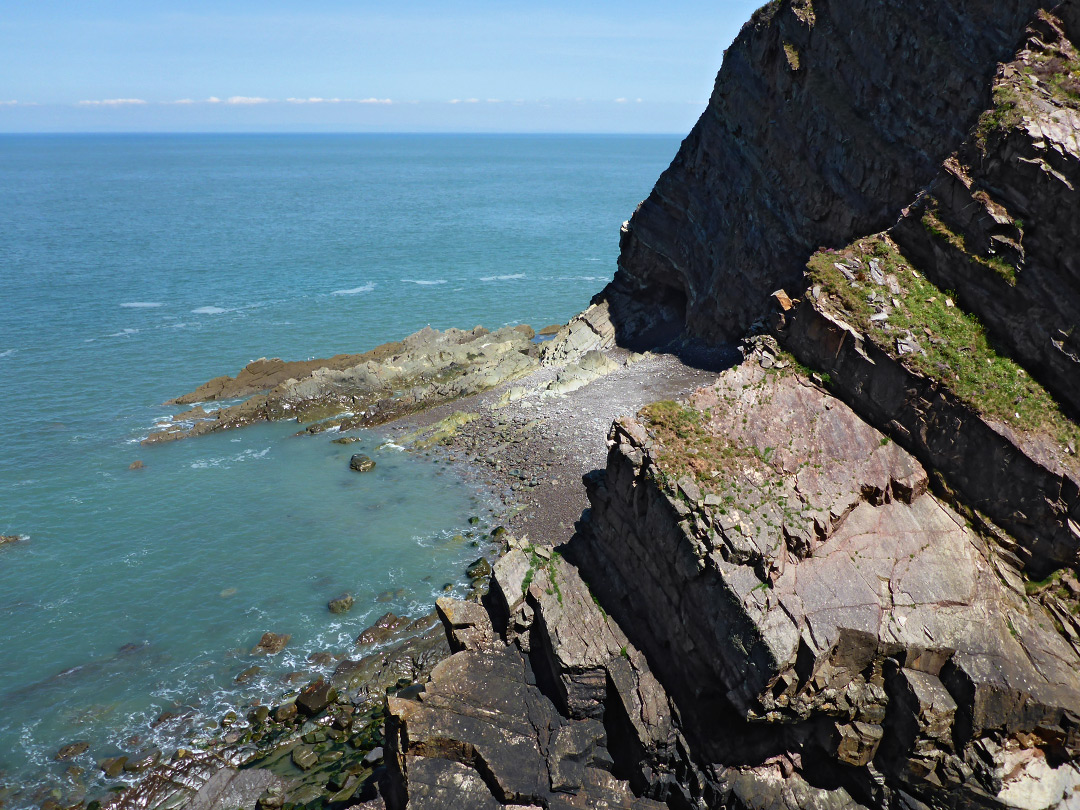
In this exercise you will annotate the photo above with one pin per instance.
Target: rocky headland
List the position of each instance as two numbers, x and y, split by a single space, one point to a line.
798 495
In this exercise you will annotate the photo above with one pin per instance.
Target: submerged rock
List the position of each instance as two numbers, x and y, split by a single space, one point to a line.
72 750
345 440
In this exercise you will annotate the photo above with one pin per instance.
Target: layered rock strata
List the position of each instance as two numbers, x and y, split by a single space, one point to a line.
826 118
786 570
1000 223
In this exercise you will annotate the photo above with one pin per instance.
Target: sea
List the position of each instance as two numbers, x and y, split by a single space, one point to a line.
135 267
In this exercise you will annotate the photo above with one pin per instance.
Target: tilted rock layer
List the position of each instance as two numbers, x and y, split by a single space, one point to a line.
826 118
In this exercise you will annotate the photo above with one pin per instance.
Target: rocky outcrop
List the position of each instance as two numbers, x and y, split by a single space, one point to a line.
826 118
550 706
1021 482
1000 223
425 369
785 570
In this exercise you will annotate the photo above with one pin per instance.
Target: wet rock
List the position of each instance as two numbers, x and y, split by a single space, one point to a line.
342 604
315 697
136 465
361 463
271 643
345 440
248 674
72 750
304 757
9 538
230 788
142 761
383 628
390 595
113 766
285 713
479 569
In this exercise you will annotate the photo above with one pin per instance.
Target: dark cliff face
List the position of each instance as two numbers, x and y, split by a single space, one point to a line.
826 118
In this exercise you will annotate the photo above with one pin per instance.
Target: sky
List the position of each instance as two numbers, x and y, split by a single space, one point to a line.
326 65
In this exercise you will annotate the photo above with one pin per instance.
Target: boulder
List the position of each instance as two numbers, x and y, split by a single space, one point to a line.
343 604
479 569
72 750
361 463
315 697
271 643
383 628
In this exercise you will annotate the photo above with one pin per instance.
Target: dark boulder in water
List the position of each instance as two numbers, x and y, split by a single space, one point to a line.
72 750
383 628
479 569
343 604
361 463
271 643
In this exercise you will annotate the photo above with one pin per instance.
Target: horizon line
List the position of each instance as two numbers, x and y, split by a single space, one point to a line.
341 132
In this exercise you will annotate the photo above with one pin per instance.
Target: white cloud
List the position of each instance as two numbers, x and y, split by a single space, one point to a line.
314 100
112 102
454 101
213 100
11 103
373 101
620 101
180 101
472 101
247 100
494 101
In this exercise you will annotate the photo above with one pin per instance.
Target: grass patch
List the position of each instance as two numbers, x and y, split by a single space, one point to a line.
537 563
1005 269
744 477
1003 116
764 14
792 54
955 348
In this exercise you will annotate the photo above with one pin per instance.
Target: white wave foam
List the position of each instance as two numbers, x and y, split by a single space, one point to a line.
423 282
356 290
502 278
9 353
141 304
123 333
210 310
227 461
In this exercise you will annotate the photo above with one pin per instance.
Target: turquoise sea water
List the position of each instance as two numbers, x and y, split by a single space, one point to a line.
133 268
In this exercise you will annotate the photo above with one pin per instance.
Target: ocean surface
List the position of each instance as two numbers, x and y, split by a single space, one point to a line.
133 268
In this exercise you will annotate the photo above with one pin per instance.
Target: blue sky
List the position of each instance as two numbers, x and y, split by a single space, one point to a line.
256 65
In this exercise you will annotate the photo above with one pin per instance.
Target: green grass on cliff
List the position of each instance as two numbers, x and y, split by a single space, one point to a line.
955 348
938 229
